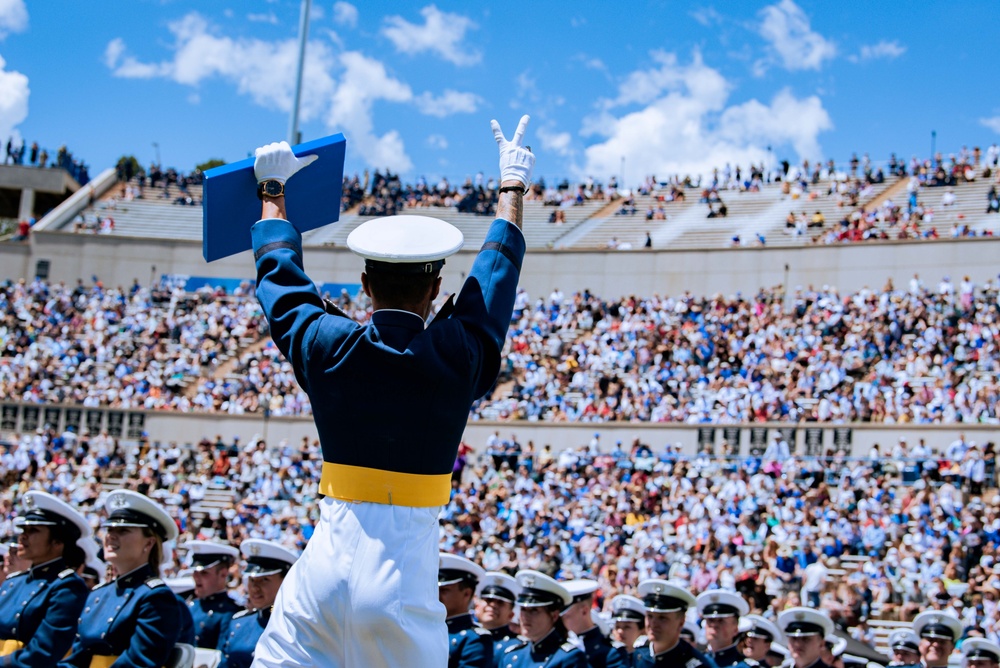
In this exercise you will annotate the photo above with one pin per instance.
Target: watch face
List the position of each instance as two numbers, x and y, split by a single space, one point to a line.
273 188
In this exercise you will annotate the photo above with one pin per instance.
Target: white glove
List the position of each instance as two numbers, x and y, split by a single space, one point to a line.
276 161
515 160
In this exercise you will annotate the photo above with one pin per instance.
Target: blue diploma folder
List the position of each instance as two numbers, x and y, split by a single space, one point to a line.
231 206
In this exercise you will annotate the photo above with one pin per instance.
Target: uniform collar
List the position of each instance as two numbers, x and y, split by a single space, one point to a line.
398 318
47 570
216 595
134 578
726 651
548 644
460 622
666 651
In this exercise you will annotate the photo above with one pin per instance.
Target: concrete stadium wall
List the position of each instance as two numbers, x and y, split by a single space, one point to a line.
117 260
809 438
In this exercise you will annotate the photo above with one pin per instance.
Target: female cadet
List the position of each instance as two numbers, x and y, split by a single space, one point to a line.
542 600
39 607
133 620
267 563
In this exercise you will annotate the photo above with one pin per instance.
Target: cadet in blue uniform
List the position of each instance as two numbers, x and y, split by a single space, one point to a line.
469 645
805 630
938 635
980 653
756 635
407 390
578 618
904 648
210 606
40 607
133 620
495 610
666 606
629 618
720 612
267 564
546 640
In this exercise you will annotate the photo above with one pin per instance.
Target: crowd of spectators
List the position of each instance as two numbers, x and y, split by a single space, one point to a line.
908 354
36 156
853 535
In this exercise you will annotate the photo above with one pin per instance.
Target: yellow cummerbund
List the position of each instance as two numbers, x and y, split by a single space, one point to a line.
98 661
10 646
359 483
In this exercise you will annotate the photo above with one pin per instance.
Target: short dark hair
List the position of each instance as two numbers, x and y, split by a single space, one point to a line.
403 289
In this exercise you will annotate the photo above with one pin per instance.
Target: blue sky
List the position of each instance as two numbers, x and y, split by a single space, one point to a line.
671 87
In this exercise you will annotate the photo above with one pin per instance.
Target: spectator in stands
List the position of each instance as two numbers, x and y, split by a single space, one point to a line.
23 229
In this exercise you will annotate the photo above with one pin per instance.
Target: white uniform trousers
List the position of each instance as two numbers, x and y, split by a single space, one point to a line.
363 594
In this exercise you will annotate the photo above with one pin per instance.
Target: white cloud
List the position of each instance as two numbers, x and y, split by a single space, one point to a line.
556 142
14 92
364 82
345 14
684 126
437 141
786 28
450 102
991 123
442 33
13 17
270 17
883 49
706 16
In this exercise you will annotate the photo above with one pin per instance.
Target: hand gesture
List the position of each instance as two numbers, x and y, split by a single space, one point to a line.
276 161
516 161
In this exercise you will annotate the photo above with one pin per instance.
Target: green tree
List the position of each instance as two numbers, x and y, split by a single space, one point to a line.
209 164
127 164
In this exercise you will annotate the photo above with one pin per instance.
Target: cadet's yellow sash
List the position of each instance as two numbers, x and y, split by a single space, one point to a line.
10 646
359 483
102 661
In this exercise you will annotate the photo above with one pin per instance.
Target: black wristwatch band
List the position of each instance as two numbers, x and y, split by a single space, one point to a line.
513 189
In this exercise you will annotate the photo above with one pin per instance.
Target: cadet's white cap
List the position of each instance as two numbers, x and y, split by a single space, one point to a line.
800 622
980 648
206 553
265 557
538 590
500 586
44 509
405 244
756 626
719 603
580 590
453 569
132 509
625 608
664 596
935 624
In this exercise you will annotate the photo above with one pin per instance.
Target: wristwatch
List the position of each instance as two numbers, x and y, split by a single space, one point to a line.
270 188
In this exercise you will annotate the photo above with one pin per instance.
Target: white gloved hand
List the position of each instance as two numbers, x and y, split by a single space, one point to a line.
276 161
515 160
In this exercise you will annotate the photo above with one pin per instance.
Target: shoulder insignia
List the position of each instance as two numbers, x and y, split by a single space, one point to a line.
103 584
515 647
568 647
641 641
243 613
66 573
481 631
153 583
16 574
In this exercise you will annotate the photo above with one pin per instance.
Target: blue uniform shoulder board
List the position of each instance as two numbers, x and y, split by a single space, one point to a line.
515 647
66 573
153 583
567 647
243 613
481 631
16 574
